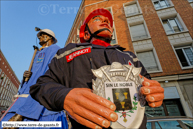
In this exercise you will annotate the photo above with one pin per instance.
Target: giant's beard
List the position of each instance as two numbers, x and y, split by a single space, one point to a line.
44 41
41 43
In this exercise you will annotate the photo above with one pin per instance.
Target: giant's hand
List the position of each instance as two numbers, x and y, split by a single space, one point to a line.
153 91
27 74
89 109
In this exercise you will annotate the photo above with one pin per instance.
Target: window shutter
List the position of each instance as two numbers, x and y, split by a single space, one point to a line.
138 32
148 60
131 9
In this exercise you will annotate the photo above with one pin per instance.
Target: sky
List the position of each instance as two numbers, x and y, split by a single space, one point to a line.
18 22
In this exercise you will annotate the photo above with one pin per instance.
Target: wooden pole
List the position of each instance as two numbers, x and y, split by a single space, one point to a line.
35 50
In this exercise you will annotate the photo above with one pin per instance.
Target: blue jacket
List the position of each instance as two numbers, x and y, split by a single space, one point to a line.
71 68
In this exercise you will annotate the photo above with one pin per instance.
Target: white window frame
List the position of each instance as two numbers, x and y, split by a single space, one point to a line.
78 32
1 90
2 103
190 1
12 88
4 79
5 85
168 3
179 21
3 93
191 4
146 29
174 49
156 59
171 28
74 39
15 89
114 37
130 3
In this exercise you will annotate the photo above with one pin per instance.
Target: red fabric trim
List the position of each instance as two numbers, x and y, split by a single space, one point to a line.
101 43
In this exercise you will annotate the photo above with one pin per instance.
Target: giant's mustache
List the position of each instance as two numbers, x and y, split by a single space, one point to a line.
98 31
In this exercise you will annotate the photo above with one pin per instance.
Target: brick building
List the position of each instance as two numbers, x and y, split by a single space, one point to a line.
9 83
160 33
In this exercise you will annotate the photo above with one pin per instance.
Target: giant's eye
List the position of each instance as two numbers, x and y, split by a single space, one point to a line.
97 20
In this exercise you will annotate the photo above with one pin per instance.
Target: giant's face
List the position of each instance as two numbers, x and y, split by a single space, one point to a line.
99 22
43 38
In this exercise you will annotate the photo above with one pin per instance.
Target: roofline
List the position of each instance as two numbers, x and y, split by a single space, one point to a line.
79 11
9 65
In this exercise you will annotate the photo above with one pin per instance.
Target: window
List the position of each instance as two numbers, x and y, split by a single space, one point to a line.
4 79
185 56
152 112
2 92
8 85
131 9
169 107
161 4
0 71
74 39
2 76
78 31
1 88
113 41
77 38
5 85
5 94
172 25
3 102
148 60
138 32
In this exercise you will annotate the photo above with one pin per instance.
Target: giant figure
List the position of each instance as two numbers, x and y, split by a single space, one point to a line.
67 85
25 107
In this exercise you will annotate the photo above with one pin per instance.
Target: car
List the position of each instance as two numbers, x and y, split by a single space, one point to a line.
170 122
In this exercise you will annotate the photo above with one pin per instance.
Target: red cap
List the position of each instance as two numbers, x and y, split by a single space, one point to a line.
96 12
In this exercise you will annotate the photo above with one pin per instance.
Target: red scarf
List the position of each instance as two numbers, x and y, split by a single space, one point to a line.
101 43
